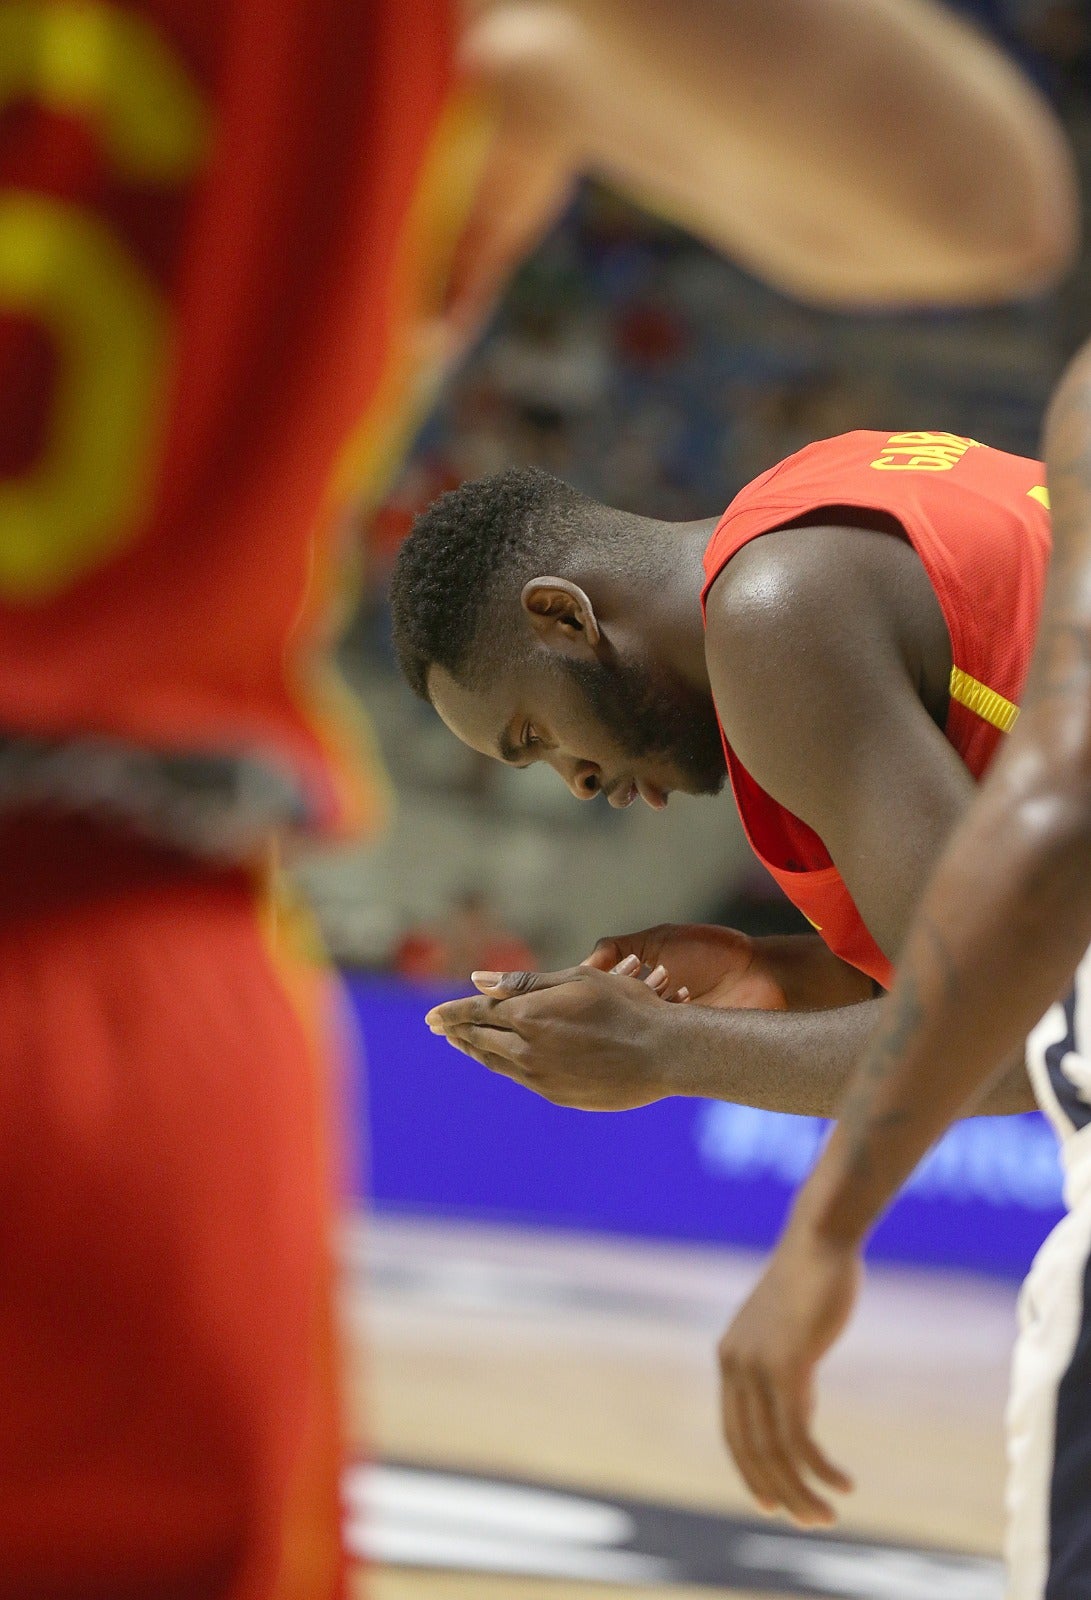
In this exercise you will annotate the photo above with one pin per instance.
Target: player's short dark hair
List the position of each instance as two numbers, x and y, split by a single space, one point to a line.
460 551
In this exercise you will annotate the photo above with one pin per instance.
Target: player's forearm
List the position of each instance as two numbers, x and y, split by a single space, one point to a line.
811 976
759 126
775 1060
800 1062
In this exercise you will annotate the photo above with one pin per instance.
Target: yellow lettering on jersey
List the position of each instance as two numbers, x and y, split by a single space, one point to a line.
923 452
78 503
1039 493
64 265
110 66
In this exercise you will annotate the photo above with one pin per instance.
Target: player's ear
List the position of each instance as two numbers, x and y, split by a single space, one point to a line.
561 615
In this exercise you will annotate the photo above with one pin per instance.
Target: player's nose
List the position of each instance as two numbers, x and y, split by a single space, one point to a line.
583 778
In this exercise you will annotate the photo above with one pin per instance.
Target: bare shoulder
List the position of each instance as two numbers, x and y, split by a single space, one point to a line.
785 587
806 621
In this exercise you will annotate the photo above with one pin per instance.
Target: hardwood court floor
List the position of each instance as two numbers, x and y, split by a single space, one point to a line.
590 1365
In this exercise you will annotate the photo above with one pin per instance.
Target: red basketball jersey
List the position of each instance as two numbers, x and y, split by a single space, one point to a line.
978 519
217 223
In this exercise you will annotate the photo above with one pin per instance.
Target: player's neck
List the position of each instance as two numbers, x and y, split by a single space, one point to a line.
666 597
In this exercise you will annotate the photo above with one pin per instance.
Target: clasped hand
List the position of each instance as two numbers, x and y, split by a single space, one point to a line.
603 1036
582 1037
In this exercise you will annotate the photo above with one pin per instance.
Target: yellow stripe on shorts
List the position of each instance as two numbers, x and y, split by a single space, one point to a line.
982 701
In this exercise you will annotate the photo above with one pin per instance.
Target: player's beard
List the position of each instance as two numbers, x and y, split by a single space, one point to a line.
656 718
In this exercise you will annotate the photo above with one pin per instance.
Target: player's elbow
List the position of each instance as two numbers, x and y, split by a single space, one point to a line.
1032 264
974 240
1023 234
1045 238
948 260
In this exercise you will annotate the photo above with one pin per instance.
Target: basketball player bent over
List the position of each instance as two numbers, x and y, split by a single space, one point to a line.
868 606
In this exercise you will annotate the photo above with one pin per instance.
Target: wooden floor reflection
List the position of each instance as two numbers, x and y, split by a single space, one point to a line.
590 1365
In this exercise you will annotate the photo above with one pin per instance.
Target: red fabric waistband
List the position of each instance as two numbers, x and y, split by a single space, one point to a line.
51 860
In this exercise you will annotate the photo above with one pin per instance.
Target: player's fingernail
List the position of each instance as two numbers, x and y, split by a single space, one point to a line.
432 1019
629 965
656 975
486 980
683 994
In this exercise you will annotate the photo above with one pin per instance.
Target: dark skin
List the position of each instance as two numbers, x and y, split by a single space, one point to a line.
828 658
997 938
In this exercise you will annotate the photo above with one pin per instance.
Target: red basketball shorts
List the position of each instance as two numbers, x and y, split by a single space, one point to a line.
168 1418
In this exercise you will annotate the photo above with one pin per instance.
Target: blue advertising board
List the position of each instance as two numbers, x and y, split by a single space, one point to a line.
447 1137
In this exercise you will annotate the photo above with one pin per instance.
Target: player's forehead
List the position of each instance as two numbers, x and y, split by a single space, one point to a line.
479 716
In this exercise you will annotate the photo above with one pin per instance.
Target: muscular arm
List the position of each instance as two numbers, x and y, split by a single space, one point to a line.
798 1061
847 151
602 1042
1008 915
822 647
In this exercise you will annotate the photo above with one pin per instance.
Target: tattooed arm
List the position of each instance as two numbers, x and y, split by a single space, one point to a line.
995 941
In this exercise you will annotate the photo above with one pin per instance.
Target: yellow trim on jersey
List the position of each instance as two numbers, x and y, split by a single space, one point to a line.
982 701
1039 493
408 388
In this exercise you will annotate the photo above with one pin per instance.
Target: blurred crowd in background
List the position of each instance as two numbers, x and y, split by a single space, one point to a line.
633 363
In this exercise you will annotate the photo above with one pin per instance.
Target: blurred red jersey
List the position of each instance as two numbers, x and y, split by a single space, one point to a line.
218 224
979 521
